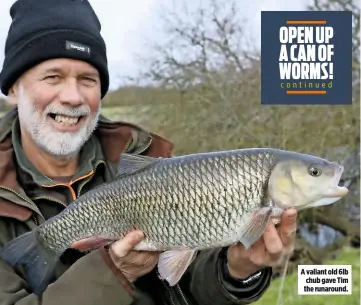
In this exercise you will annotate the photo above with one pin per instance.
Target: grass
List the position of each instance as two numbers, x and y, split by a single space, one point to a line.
134 114
290 291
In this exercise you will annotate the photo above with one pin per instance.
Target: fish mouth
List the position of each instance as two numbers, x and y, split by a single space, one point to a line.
337 190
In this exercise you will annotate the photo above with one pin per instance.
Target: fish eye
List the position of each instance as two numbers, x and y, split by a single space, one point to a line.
314 171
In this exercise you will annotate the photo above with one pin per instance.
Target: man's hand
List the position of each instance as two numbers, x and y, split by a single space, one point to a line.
270 250
133 264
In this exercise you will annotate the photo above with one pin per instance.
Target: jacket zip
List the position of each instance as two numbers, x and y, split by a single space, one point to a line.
181 293
35 220
169 289
23 198
61 203
50 199
88 179
171 295
169 292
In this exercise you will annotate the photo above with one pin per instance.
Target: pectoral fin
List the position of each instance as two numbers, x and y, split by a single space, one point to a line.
255 226
173 264
276 215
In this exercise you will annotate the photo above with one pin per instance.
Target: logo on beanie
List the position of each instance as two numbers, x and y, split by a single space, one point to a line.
75 46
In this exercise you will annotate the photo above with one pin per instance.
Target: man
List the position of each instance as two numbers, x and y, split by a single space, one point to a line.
55 146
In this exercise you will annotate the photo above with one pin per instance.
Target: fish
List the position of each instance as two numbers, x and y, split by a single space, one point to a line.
183 204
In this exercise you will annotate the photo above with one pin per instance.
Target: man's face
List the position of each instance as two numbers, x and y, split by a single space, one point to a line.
59 104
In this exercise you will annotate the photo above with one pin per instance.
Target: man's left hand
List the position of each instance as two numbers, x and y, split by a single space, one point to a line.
269 251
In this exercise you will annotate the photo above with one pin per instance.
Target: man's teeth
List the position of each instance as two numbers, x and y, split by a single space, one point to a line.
66 119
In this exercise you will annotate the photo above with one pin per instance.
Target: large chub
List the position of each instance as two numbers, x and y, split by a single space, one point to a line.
38 261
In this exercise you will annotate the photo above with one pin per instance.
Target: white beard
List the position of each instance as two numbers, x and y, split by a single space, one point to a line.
54 142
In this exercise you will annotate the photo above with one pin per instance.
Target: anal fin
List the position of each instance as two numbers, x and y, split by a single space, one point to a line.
173 264
89 243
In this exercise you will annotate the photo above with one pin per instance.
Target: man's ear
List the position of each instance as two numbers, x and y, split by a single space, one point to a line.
13 94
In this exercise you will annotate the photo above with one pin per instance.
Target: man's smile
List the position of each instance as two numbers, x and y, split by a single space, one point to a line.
66 123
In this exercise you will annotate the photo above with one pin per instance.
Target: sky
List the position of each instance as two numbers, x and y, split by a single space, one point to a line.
125 24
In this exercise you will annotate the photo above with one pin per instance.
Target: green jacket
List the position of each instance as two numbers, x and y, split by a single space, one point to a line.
28 198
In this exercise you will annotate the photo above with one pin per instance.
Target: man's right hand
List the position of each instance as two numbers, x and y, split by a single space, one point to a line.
133 264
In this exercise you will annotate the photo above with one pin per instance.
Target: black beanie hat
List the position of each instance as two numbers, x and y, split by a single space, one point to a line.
46 29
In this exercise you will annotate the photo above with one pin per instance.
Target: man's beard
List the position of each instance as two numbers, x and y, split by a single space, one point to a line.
56 143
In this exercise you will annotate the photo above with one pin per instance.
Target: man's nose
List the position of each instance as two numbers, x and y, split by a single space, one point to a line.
70 93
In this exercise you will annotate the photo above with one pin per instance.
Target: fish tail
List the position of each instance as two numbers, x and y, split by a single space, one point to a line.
38 260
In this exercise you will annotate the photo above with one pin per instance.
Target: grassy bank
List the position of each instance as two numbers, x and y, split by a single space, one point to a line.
290 291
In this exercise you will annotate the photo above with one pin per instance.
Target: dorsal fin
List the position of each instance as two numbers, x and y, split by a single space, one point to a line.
130 164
